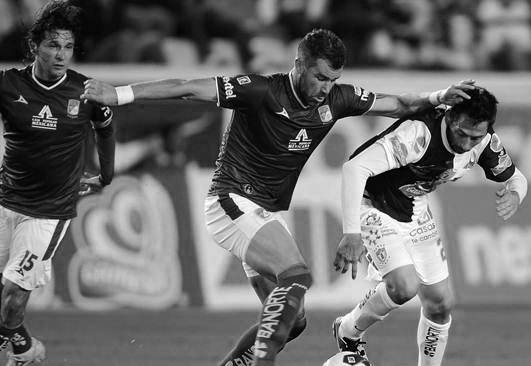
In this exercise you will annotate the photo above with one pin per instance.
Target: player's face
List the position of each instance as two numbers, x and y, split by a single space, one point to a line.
54 54
316 81
462 134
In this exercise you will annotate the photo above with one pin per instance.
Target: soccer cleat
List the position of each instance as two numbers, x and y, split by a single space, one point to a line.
36 353
348 344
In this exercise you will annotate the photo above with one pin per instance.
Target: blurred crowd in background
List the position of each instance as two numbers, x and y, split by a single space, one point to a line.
261 35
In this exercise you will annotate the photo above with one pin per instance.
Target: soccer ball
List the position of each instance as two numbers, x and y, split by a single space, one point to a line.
346 359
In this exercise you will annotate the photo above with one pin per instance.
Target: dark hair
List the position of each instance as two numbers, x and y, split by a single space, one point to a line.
325 44
482 106
57 14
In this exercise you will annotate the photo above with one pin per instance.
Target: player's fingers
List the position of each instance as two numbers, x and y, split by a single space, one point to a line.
354 269
469 83
506 214
337 262
502 211
461 94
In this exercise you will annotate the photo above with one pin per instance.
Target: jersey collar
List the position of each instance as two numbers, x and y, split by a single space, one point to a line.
41 84
299 100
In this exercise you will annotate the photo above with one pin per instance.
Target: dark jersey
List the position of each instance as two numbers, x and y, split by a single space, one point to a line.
418 151
45 130
272 134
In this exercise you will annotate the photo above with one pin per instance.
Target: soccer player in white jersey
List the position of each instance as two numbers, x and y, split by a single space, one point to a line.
277 123
385 205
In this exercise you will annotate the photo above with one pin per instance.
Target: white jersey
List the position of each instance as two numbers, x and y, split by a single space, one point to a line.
421 158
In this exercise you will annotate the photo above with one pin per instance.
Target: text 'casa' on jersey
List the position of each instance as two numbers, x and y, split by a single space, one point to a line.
46 128
272 134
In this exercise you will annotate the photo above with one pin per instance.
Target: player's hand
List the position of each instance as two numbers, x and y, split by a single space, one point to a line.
99 92
89 184
456 93
349 252
507 203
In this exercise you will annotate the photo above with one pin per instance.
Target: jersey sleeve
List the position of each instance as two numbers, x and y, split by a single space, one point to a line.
406 144
101 116
495 161
241 91
352 100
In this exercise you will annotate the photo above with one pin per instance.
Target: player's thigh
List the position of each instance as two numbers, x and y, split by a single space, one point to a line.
427 251
34 243
272 250
385 240
259 238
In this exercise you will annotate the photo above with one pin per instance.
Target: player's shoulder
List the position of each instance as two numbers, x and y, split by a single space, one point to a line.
15 72
76 76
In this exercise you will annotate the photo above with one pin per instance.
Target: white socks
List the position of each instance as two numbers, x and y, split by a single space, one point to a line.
374 307
431 339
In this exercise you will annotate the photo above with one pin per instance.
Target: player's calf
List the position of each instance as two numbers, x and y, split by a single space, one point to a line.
279 314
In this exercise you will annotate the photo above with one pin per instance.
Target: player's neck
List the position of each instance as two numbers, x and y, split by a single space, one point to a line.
295 79
44 76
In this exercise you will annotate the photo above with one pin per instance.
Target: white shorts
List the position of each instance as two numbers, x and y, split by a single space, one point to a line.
27 245
392 244
233 220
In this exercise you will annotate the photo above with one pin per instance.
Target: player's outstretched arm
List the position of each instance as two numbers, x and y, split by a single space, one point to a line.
511 195
371 161
106 94
398 106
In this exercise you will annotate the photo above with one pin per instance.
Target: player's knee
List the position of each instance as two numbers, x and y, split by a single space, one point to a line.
299 275
402 289
439 308
298 328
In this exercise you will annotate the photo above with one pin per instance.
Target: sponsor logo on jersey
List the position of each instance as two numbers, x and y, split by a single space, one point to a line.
243 80
44 120
21 100
283 112
300 142
72 110
229 88
363 94
504 162
325 113
425 217
416 189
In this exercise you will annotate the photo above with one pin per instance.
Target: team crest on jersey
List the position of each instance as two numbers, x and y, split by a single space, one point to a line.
300 142
72 110
44 119
325 113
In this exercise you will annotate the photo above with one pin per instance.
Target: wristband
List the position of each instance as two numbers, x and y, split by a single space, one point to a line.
125 94
435 97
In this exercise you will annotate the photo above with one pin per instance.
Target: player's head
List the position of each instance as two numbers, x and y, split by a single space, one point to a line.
319 63
468 122
52 38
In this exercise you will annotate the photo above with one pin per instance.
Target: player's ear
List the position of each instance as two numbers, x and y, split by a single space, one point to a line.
299 65
33 47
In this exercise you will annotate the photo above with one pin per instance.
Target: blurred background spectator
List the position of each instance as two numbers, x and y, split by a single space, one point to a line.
260 35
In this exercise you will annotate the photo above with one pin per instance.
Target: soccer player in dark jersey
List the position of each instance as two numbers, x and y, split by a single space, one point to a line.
386 214
46 129
277 123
